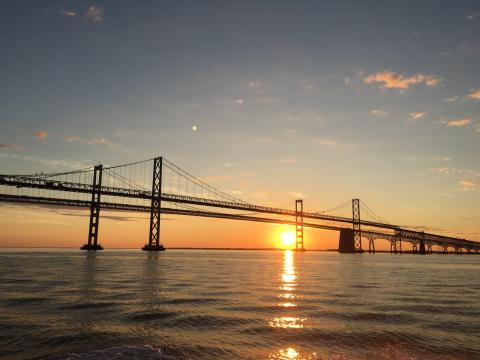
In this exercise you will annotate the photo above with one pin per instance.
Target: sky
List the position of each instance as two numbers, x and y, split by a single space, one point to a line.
270 101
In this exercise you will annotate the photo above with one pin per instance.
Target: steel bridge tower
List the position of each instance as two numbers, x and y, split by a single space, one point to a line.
357 231
94 211
299 225
155 207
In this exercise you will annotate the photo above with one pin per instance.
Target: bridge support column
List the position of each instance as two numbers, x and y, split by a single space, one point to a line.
422 247
94 211
356 224
346 243
396 243
299 225
371 246
154 233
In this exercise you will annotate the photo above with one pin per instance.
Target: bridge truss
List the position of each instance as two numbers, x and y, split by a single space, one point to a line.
160 187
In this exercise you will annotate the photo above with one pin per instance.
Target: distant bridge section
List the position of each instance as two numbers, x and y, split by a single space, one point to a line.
159 187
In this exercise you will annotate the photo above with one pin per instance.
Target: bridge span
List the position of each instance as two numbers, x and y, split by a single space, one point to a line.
146 186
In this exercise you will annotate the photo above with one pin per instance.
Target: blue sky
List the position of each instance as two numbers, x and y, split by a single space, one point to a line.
326 100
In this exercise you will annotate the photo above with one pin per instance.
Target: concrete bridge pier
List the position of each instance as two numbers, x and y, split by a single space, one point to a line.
346 243
422 247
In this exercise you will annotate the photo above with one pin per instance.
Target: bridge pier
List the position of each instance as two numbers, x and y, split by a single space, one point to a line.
346 243
422 247
371 246
92 243
154 233
414 248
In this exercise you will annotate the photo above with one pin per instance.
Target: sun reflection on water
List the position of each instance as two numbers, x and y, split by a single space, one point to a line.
291 354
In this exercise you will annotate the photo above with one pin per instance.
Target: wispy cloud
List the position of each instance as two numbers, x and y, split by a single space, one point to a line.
392 80
467 185
459 122
95 14
477 128
450 99
417 115
231 164
474 94
68 13
257 86
49 163
91 141
328 142
310 118
13 147
472 16
285 161
41 134
379 112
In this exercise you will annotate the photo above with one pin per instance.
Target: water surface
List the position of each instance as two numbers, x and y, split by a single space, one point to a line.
193 304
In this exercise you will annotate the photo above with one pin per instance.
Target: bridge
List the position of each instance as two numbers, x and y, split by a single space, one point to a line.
157 186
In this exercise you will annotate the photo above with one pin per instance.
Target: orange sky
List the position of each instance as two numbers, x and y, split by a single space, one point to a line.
39 227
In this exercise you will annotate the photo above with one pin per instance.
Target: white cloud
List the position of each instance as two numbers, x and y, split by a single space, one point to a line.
450 99
257 86
417 115
296 194
379 112
50 163
459 122
68 13
91 141
472 16
391 80
95 14
311 118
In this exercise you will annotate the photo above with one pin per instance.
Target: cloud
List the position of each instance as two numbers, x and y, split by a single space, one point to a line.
477 128
450 99
417 115
392 80
285 161
240 101
459 122
50 163
68 13
472 16
474 94
443 170
91 141
379 112
311 118
95 14
467 185
41 134
11 147
231 164
327 142
257 86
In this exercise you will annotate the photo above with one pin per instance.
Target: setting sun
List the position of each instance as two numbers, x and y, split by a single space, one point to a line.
288 239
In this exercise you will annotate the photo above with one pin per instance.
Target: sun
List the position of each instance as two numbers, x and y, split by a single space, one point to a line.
287 238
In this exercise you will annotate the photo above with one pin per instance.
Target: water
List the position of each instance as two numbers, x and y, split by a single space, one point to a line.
237 305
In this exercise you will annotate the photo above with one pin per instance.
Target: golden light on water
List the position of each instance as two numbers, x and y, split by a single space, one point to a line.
291 354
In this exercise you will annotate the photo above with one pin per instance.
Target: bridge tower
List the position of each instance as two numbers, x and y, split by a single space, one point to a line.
94 211
357 231
155 207
422 244
299 225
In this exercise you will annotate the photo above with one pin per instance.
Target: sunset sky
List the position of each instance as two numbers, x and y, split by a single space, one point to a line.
267 100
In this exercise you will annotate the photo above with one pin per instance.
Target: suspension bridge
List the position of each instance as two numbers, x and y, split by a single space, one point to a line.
157 186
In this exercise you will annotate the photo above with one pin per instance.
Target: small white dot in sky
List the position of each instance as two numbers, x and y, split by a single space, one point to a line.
194 127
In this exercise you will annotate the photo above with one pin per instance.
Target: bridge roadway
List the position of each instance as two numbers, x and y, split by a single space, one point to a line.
400 234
